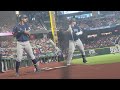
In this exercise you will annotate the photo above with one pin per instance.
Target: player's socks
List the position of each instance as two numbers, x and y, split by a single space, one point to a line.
17 66
35 65
84 58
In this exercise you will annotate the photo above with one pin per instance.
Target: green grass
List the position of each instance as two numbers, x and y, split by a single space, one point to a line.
101 59
95 49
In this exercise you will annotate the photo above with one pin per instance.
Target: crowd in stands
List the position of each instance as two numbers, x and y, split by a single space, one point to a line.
85 23
36 21
104 41
100 22
92 23
6 28
36 26
43 46
97 23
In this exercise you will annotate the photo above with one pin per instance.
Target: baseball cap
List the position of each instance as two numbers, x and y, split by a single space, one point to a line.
72 20
23 16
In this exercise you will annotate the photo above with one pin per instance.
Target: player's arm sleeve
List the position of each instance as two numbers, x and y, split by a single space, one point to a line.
69 28
14 31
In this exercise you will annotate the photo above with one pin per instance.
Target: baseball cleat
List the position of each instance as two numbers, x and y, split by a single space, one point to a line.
17 75
37 70
3 71
68 64
84 61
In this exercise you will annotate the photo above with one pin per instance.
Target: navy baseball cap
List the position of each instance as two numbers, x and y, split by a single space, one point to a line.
23 16
72 20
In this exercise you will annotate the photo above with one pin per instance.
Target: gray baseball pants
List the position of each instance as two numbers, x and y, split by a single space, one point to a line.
24 46
72 45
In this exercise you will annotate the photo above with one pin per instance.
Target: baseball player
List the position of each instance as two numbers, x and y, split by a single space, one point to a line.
117 43
74 41
22 33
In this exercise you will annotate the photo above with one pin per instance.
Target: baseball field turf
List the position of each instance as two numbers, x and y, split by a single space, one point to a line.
101 59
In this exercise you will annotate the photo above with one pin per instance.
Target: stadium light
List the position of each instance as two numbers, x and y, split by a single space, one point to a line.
17 15
17 12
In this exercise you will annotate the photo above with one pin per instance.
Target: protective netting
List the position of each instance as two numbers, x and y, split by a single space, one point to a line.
7 20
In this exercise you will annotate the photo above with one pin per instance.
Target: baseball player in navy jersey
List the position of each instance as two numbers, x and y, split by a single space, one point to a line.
22 33
74 41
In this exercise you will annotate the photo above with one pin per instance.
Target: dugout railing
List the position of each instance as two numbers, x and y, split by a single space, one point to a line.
9 63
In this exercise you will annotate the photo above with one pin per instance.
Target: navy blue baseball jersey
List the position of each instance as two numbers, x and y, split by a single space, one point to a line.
18 32
75 29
